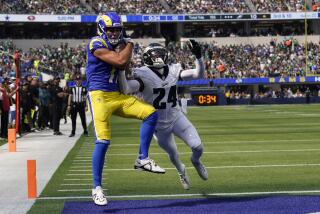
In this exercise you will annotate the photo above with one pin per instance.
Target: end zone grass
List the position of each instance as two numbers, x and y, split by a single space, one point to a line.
248 149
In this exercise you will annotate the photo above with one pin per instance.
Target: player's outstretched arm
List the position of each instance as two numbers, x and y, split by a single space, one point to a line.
128 86
119 60
199 71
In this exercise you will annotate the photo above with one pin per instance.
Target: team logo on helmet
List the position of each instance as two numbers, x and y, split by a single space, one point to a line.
110 27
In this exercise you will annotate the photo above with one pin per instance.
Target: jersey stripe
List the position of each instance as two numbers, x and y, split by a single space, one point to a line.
97 39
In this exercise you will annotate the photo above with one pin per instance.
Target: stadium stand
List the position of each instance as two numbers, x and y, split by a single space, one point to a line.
43 7
188 6
278 6
152 6
273 59
125 7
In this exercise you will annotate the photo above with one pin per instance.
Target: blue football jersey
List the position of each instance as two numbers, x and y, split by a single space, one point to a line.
100 75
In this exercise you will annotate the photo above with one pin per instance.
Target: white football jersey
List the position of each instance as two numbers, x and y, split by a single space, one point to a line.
161 92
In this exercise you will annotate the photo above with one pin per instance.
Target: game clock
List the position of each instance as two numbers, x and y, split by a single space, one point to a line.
205 99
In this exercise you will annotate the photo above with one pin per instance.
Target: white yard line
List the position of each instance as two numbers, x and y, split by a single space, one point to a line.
213 142
208 167
87 184
222 152
214 125
78 179
188 195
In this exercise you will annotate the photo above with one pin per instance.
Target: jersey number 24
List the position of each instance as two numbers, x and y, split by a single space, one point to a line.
161 92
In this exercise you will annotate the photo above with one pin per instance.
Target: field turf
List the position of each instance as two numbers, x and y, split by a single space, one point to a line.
249 150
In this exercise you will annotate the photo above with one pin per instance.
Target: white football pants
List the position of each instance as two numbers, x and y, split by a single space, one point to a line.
181 128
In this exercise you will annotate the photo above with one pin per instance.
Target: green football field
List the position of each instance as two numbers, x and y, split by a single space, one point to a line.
248 150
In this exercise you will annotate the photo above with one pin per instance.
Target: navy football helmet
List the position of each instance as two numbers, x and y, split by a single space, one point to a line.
110 27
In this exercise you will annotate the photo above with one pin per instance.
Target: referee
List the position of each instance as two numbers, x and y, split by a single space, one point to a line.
77 104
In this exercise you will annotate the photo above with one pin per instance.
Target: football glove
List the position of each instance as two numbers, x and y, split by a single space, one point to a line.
195 48
126 38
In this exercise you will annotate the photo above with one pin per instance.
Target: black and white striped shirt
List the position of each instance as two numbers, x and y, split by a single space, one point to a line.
79 94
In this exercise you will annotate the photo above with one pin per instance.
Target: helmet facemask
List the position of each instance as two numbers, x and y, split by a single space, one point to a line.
114 35
156 57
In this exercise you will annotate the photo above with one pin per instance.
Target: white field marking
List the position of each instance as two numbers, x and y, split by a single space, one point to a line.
244 125
73 190
82 160
80 164
189 195
221 142
307 114
288 112
78 179
86 164
76 184
222 152
291 125
297 113
207 167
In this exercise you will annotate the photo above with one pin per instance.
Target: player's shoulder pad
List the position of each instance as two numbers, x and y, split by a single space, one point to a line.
138 72
97 43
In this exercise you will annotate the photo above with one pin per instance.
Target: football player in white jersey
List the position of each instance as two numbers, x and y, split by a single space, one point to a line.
157 81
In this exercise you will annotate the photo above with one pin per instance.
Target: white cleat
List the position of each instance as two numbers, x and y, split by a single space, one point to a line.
184 179
201 169
98 196
148 165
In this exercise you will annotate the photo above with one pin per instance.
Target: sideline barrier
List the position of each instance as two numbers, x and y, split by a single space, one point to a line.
12 143
32 180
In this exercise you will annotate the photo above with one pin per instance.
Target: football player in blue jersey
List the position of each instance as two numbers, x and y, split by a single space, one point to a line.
105 99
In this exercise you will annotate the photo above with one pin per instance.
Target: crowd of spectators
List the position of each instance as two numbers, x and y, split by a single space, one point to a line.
293 91
207 6
59 61
148 6
128 7
43 7
274 59
279 5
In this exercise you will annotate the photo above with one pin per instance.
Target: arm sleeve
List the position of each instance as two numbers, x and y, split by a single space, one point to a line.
196 73
128 86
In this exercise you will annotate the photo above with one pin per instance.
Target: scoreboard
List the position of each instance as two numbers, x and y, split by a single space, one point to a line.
206 99
206 96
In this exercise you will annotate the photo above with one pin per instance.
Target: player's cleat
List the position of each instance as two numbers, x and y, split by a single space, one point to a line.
184 179
200 169
98 196
148 165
